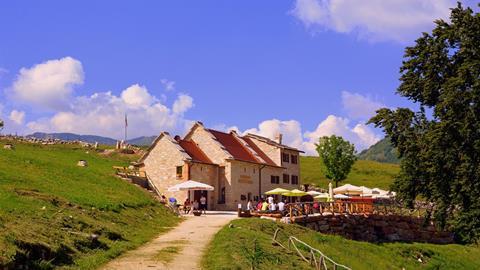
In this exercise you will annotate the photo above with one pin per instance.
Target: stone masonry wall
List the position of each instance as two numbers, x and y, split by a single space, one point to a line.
161 164
208 174
378 228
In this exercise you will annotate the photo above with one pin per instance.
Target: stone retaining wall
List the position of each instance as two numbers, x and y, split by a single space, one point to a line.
378 228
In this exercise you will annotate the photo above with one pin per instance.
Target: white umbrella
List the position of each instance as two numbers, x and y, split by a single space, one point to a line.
190 185
314 193
340 196
366 190
379 191
348 189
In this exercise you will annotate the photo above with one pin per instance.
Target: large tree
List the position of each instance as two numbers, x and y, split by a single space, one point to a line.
440 142
337 156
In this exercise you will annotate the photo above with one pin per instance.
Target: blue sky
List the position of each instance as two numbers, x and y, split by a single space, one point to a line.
291 65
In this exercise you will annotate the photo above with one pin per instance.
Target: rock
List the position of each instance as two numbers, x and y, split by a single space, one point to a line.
82 163
8 146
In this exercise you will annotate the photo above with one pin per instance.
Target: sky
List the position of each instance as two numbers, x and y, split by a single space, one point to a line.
303 68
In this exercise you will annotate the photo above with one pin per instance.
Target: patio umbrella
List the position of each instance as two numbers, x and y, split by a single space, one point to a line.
330 190
348 189
314 193
277 191
340 196
321 196
190 185
295 193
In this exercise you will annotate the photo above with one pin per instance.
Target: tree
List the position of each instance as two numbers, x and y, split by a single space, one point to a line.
337 156
440 142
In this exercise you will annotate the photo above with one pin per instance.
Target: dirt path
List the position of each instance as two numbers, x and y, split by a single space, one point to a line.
180 248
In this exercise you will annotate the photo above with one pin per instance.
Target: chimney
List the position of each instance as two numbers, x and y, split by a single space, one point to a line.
177 138
278 138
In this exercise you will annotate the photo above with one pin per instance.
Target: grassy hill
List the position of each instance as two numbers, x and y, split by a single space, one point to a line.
56 214
364 173
232 246
382 151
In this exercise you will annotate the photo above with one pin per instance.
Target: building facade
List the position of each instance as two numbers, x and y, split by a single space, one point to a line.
240 168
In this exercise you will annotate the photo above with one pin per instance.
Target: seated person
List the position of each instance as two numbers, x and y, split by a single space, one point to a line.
186 206
273 207
281 206
264 206
196 205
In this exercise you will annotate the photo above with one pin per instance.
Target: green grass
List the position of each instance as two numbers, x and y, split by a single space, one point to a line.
225 250
364 173
167 254
50 208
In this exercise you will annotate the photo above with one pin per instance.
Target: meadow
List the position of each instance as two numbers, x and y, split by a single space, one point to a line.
233 246
55 214
364 173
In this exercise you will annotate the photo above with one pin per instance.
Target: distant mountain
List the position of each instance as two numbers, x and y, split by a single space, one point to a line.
74 137
140 141
382 151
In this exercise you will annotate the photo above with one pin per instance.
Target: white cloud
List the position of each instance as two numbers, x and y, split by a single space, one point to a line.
291 131
168 85
182 104
375 20
49 84
360 135
137 96
358 106
103 114
18 117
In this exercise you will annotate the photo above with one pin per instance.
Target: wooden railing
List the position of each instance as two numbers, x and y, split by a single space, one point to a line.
346 207
313 256
127 172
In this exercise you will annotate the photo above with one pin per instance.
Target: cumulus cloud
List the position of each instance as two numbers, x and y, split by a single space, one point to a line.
182 104
18 117
359 106
291 131
168 85
360 135
103 114
137 96
49 84
375 20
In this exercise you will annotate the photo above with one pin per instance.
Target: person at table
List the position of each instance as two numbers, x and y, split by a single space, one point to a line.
270 199
249 205
281 206
259 205
265 206
195 205
273 207
186 206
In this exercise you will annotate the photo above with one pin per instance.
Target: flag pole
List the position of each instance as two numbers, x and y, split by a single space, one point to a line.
126 125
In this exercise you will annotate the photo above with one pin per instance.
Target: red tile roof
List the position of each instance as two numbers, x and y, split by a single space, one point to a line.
259 151
233 146
194 151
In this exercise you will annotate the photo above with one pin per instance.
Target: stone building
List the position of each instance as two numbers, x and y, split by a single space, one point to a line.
239 167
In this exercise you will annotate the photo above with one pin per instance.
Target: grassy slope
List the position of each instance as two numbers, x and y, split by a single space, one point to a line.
364 173
48 203
225 250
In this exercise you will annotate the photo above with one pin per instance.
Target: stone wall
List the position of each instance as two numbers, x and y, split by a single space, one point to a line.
208 174
378 228
161 164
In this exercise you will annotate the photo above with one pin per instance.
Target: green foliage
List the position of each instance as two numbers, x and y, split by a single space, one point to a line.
254 255
50 206
364 173
383 151
337 156
223 250
440 150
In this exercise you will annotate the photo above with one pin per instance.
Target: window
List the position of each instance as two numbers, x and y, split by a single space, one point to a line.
294 180
275 179
286 178
294 159
253 170
179 171
244 169
285 157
